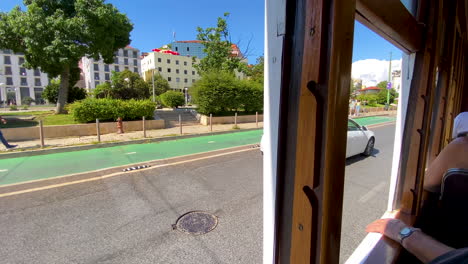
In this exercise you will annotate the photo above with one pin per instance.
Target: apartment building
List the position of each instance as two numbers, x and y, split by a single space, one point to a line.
177 70
97 72
192 48
17 82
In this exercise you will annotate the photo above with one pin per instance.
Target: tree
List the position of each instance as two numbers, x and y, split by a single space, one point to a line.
51 92
382 96
172 99
124 85
382 85
218 49
256 72
161 85
55 35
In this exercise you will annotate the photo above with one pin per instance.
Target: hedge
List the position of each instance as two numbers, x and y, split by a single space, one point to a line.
172 99
105 109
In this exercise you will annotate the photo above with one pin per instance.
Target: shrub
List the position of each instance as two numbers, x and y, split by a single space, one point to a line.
90 109
220 92
27 101
172 99
13 108
51 92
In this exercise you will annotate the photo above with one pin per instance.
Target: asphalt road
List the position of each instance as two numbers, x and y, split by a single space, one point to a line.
367 184
128 219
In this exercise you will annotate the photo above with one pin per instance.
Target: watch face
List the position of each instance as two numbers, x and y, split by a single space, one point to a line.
405 231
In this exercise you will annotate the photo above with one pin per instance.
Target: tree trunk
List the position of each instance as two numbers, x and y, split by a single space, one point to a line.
63 91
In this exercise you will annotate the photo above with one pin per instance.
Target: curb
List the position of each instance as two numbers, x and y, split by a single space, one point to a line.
77 178
112 144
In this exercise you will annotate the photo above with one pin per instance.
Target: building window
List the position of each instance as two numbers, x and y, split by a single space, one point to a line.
38 96
23 71
126 61
185 80
125 53
116 60
168 61
193 80
176 48
185 71
126 68
24 81
96 67
37 72
177 79
185 63
135 54
107 76
169 79
116 68
160 69
9 81
177 62
188 49
7 51
193 72
24 92
135 70
8 70
177 71
97 83
106 68
116 53
20 60
159 59
37 82
135 62
7 59
96 76
168 69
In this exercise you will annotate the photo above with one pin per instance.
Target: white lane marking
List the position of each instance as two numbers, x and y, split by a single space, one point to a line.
378 188
209 142
3 170
130 153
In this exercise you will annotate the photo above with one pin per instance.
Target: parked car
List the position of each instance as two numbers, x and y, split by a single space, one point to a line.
360 140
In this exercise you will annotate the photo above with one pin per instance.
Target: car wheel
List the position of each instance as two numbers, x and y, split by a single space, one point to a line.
370 147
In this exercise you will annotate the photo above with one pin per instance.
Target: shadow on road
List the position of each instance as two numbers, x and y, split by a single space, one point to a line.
357 158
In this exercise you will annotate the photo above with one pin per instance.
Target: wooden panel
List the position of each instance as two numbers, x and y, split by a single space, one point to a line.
391 20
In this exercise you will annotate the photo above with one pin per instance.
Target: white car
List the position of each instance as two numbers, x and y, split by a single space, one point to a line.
360 140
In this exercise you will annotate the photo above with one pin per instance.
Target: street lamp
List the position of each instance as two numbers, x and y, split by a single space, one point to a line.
154 100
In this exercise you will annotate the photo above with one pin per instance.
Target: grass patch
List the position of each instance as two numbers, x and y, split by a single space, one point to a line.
55 120
30 119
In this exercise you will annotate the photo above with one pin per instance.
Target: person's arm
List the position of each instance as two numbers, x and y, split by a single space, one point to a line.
437 168
419 244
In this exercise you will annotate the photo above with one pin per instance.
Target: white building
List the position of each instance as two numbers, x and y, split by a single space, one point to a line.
177 70
17 82
97 72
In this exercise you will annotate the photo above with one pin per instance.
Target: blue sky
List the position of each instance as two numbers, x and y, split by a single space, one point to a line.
155 21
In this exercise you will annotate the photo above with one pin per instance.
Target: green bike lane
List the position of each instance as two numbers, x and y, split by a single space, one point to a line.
29 168
23 169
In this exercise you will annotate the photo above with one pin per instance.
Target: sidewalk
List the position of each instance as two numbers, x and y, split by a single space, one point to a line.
130 136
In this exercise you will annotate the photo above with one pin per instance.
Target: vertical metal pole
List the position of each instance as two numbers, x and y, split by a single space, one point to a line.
144 127
180 124
98 130
211 122
154 100
389 80
41 133
235 119
256 119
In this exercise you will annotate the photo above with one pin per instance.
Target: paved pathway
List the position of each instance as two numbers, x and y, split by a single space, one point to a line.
23 169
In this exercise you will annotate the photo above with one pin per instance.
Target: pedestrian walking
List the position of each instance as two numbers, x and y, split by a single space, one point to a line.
2 138
352 107
358 107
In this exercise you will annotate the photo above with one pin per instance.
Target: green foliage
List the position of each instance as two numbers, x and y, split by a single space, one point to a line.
13 108
51 93
368 99
161 85
106 109
55 35
172 99
27 101
124 85
218 49
382 85
256 72
219 92
382 96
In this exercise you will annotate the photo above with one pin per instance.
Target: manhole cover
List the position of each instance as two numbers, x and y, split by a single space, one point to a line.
196 223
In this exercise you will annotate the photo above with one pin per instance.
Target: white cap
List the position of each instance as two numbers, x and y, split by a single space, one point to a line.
460 125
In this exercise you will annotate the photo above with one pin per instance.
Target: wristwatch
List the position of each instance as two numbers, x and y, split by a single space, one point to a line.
406 232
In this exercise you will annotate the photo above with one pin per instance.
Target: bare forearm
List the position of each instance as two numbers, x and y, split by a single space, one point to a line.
424 247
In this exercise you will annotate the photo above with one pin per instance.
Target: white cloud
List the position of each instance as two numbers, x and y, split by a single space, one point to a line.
372 71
